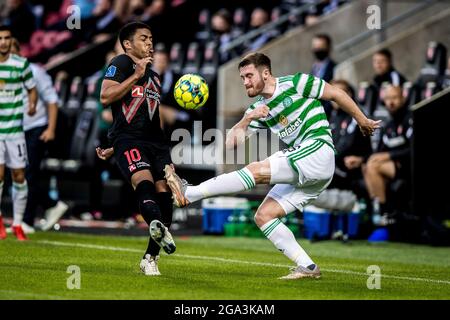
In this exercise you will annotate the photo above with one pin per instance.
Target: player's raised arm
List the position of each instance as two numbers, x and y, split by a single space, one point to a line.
337 95
237 134
113 88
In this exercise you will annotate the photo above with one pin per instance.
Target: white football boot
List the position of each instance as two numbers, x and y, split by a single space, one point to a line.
300 272
149 265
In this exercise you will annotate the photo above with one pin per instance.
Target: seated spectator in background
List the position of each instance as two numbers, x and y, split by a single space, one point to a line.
392 160
39 131
384 70
352 148
172 116
323 66
221 26
17 14
322 7
259 18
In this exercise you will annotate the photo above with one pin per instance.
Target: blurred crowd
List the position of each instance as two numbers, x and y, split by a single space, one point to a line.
373 169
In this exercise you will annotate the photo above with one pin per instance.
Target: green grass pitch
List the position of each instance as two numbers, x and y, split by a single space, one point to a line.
216 268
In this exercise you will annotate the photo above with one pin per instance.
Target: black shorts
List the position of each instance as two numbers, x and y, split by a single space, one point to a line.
136 155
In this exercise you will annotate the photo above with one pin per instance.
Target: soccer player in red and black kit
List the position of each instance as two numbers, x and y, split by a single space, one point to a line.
139 146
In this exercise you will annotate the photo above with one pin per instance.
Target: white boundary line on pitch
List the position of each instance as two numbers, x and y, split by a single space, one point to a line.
31 295
266 264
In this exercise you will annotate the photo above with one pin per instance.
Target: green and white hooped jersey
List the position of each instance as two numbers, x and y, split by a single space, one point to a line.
296 113
15 74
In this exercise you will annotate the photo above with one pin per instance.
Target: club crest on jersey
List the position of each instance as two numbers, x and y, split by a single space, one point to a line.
287 102
137 91
111 71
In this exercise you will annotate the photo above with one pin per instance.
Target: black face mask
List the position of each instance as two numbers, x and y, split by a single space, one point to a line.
138 11
320 54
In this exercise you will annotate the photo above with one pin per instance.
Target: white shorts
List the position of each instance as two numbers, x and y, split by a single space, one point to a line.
13 153
300 174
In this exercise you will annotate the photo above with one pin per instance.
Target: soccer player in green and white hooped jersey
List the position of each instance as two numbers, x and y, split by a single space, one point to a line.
289 107
15 73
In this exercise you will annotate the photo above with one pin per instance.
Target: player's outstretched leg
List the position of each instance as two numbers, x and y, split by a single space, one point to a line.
227 183
177 186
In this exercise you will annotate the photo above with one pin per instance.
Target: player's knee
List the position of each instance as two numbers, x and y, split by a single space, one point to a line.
262 216
259 172
18 176
372 167
148 205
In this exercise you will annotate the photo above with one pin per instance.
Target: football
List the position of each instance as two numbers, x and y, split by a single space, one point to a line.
191 91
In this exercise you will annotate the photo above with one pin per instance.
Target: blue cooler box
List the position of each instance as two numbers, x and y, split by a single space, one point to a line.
316 223
216 211
352 221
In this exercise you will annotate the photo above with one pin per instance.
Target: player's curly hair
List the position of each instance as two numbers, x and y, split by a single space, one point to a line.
127 32
257 59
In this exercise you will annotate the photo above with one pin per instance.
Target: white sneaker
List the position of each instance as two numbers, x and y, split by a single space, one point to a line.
149 265
53 214
27 228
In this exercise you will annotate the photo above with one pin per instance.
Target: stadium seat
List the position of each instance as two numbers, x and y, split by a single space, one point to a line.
410 93
177 57
210 62
84 140
62 89
429 89
275 14
193 58
446 79
240 22
69 112
366 97
204 21
435 64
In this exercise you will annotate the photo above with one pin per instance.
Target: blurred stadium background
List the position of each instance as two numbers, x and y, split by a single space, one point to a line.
208 38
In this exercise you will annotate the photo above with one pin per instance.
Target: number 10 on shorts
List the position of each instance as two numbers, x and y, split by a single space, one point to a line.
132 155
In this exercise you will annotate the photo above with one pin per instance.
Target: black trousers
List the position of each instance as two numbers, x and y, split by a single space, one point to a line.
36 195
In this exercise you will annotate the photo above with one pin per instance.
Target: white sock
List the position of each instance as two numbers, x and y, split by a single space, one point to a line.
1 192
284 240
227 183
20 196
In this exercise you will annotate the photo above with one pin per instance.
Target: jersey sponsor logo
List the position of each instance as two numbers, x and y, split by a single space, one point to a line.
111 71
150 94
137 91
293 126
132 168
7 93
287 102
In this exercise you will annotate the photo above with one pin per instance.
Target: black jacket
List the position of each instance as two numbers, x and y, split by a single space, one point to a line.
396 137
347 137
